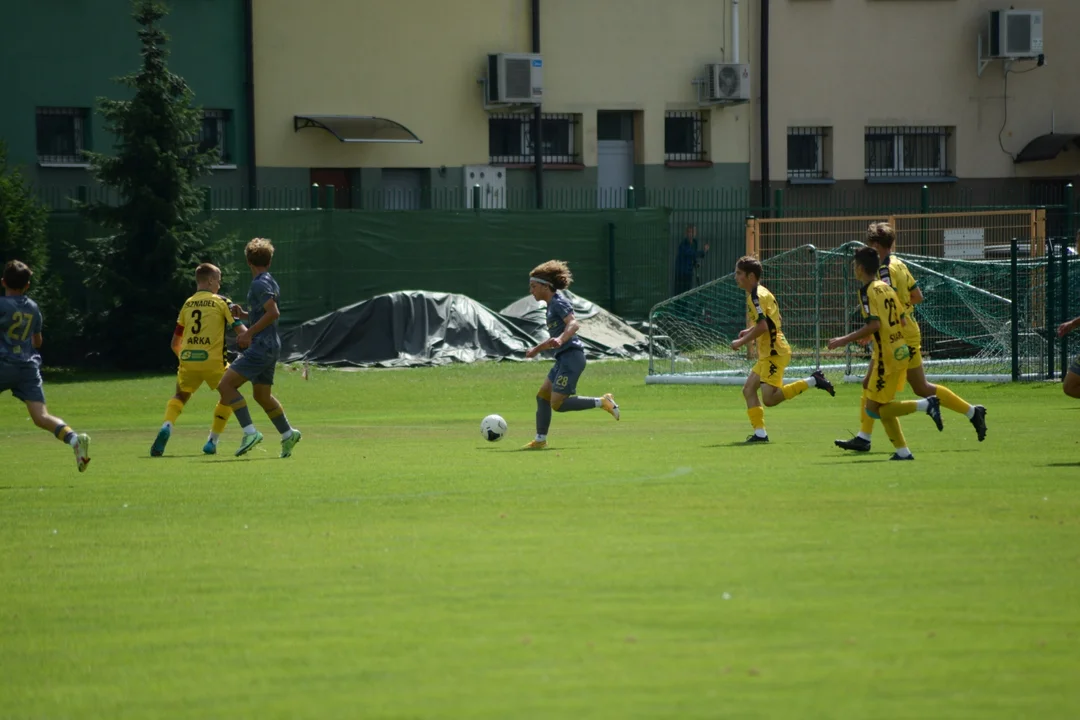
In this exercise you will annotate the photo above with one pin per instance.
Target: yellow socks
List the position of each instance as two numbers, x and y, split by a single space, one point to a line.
796 388
757 417
897 409
952 401
222 413
896 435
173 410
866 423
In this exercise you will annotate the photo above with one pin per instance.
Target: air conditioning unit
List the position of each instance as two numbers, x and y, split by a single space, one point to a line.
514 79
727 82
1016 33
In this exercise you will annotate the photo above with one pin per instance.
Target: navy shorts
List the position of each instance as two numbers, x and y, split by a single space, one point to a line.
566 371
24 382
256 365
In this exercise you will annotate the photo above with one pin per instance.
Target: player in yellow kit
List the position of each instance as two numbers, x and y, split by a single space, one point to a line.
884 315
199 343
894 273
773 351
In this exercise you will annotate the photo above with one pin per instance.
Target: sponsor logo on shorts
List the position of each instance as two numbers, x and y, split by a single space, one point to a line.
902 353
194 355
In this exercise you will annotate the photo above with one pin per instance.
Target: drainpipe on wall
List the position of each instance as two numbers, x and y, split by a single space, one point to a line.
764 116
249 100
735 31
537 129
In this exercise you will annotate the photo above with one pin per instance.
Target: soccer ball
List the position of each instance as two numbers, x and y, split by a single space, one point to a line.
493 427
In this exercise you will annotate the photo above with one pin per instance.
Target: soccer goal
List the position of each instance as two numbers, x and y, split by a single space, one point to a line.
967 320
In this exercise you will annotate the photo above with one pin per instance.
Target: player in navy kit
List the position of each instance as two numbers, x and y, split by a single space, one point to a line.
559 390
20 363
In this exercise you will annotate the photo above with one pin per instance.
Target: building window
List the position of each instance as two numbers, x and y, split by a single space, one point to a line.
510 139
907 152
684 137
62 135
807 156
215 135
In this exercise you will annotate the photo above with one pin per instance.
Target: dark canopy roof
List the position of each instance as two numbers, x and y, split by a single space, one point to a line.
357 128
1047 147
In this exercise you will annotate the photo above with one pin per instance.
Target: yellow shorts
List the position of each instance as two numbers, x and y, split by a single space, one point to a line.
771 369
881 387
191 379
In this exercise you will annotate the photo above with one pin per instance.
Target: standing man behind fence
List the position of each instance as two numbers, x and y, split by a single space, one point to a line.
687 259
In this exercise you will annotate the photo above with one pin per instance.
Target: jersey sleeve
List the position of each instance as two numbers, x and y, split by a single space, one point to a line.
769 307
263 292
875 309
36 323
181 321
757 311
562 308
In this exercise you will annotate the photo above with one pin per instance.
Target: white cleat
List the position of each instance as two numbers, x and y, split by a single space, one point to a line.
82 452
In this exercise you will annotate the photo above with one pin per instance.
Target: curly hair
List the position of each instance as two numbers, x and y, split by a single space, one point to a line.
555 272
259 252
881 233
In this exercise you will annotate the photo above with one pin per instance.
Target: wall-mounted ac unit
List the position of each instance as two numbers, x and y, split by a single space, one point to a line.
1016 33
727 82
514 79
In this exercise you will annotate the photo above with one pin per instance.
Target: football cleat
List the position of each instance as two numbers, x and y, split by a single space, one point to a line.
210 448
289 443
979 421
896 456
248 442
82 452
757 439
535 445
158 448
822 382
856 443
933 409
609 405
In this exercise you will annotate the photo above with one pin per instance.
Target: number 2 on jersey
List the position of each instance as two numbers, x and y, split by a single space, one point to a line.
23 322
894 317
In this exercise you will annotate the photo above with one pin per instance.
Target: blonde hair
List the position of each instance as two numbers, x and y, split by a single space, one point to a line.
205 271
555 272
259 252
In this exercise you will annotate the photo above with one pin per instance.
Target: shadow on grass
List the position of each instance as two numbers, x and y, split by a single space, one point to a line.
174 456
1072 464
66 376
738 443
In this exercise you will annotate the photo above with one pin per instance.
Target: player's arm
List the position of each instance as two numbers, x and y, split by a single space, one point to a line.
572 326
269 318
36 339
873 324
177 339
751 333
1064 328
916 295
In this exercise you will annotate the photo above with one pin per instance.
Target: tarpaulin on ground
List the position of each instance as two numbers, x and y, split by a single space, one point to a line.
412 328
415 328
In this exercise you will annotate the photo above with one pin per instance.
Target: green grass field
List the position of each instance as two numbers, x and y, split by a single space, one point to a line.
398 566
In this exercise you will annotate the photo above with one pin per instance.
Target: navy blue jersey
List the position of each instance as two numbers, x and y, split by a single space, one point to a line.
557 310
20 321
263 288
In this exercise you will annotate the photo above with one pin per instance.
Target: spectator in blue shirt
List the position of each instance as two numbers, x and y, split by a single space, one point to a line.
686 260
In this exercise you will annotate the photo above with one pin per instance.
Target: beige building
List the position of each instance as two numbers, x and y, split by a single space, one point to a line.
620 106
871 97
866 94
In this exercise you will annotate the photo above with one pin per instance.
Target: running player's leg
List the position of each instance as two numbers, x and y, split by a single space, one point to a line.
916 376
880 405
261 391
754 411
173 408
79 442
222 413
229 390
543 413
861 442
1071 385
571 365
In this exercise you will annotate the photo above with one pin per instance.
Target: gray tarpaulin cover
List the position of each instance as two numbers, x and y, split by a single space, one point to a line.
416 328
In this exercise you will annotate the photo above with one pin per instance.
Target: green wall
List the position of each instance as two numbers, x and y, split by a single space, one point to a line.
65 53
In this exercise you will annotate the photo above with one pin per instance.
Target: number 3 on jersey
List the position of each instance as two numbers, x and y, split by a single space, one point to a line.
196 318
20 329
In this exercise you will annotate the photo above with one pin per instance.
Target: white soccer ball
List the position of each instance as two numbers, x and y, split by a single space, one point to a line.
493 427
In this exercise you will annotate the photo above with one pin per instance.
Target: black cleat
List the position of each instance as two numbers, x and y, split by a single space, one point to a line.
823 382
756 439
934 411
856 443
979 421
896 456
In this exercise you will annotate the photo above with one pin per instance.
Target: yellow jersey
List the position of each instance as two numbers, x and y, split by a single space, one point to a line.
201 325
878 302
896 275
761 305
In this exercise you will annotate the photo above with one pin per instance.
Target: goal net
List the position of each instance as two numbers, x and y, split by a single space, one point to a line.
966 320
